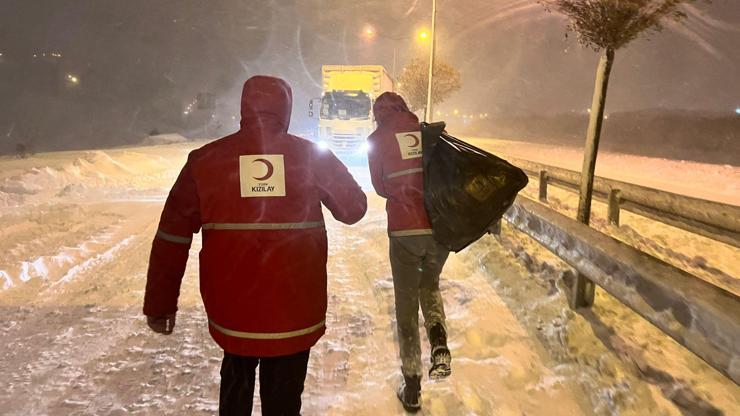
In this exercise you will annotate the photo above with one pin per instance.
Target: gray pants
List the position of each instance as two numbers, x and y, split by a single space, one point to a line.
416 263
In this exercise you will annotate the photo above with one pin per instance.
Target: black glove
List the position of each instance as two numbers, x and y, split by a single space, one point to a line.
161 324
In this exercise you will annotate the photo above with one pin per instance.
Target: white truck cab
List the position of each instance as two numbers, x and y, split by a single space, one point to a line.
345 116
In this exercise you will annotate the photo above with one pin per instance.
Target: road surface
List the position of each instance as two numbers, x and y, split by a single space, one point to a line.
75 238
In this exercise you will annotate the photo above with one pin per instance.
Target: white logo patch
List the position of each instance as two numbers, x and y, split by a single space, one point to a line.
262 175
410 144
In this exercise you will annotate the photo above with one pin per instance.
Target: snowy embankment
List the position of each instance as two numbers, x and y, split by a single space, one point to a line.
73 338
51 178
708 259
51 227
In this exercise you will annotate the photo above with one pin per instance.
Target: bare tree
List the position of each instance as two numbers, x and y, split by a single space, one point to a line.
414 78
605 26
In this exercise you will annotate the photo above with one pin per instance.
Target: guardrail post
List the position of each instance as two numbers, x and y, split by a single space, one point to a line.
614 201
543 185
582 293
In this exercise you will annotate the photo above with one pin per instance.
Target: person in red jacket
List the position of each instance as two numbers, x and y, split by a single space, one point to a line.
257 196
416 258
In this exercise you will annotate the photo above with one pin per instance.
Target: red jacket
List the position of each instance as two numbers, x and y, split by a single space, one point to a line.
396 166
257 196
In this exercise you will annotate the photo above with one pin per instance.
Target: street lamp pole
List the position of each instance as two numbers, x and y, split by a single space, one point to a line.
428 110
394 61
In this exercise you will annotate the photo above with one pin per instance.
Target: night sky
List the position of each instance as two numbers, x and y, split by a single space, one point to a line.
141 62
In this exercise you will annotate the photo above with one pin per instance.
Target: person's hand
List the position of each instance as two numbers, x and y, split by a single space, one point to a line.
495 228
161 324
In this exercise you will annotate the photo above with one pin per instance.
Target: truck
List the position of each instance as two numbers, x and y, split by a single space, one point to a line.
344 110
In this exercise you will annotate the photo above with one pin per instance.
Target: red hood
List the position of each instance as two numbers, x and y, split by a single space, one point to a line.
266 104
388 106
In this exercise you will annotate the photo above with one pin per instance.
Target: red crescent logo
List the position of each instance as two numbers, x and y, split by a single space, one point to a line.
270 169
414 138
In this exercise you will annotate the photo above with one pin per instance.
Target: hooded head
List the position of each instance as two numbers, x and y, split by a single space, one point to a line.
266 104
388 105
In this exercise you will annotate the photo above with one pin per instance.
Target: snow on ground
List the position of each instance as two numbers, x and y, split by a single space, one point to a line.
73 341
708 259
700 180
70 176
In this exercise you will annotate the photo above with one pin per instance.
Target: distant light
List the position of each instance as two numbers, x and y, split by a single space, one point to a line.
737 110
365 147
606 116
368 31
233 117
456 111
323 145
588 110
185 112
73 79
439 113
423 35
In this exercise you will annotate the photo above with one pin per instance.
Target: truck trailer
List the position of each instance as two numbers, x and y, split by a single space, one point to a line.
345 113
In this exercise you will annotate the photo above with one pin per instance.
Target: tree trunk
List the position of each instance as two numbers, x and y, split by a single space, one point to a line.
594 134
583 289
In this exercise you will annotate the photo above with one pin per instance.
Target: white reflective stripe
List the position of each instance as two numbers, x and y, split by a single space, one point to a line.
403 172
409 233
267 335
173 238
264 226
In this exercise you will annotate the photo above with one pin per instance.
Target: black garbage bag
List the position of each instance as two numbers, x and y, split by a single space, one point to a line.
466 189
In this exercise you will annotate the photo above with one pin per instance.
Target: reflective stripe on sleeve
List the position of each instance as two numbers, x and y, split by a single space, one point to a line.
410 233
267 335
174 238
264 226
404 172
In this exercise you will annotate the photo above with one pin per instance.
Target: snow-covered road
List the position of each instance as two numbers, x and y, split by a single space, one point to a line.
73 341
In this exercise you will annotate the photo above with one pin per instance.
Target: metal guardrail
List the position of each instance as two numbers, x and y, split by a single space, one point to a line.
698 315
710 219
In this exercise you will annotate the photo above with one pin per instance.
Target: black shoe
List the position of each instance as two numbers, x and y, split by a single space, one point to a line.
441 359
410 393
437 336
440 356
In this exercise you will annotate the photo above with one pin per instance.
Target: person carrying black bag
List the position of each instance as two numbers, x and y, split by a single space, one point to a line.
417 259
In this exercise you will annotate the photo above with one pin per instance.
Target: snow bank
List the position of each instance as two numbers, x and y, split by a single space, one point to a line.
105 257
66 263
163 139
89 170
